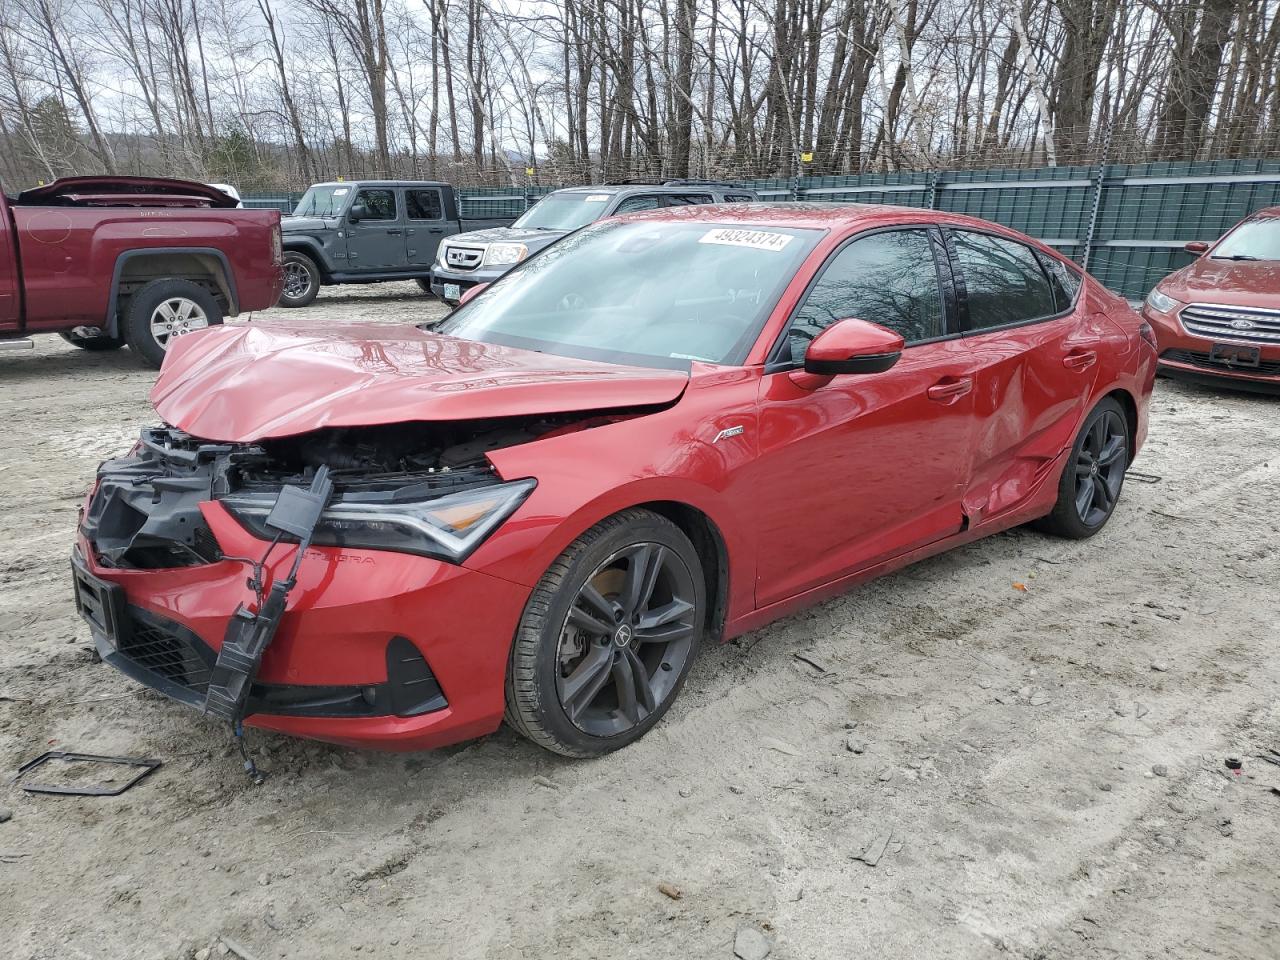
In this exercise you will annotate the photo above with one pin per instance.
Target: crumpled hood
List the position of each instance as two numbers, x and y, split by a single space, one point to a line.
303 224
1237 283
533 239
246 382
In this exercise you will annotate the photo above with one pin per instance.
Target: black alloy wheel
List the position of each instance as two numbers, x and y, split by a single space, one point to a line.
1099 468
625 640
1093 476
607 636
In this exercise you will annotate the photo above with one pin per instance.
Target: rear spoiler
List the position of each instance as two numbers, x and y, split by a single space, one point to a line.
125 192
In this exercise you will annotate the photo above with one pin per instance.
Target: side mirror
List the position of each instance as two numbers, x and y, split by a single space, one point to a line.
1196 246
853 346
471 293
357 212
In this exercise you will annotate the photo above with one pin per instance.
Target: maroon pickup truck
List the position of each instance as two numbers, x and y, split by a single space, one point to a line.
110 261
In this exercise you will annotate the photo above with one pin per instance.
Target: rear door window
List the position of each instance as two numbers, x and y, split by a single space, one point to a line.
424 204
379 204
645 201
687 199
1004 283
738 198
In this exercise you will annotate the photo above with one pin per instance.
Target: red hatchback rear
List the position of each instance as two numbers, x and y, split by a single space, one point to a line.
1218 320
663 429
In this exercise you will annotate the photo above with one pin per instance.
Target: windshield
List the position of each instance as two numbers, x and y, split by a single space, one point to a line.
564 211
1256 240
323 200
641 292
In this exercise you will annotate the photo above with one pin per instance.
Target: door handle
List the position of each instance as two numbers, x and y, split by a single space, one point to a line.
950 389
1080 359
394 233
436 229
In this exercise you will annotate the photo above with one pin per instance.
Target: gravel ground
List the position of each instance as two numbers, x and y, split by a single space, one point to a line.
1039 771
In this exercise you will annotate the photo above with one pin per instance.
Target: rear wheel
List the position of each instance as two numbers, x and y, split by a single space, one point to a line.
1094 475
301 280
96 344
607 637
164 309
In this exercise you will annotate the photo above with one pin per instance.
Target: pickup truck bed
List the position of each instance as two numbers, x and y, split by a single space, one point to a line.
76 255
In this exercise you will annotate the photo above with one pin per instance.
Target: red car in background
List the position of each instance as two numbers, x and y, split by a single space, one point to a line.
663 430
1218 320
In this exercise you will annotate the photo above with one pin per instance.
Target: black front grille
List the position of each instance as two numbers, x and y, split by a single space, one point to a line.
167 650
1195 358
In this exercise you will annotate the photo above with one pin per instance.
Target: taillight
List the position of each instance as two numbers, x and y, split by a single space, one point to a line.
277 246
1148 333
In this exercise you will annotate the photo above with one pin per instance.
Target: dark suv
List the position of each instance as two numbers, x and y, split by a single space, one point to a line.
367 232
482 256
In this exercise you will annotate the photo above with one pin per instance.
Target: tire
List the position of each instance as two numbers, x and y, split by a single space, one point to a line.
93 344
164 309
553 660
425 284
1090 479
301 280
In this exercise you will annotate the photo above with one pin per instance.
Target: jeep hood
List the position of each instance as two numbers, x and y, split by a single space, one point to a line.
247 382
304 224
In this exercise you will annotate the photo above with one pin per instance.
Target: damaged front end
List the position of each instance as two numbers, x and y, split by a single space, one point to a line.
422 489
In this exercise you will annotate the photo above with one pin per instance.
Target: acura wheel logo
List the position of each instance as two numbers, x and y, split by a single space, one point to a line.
622 636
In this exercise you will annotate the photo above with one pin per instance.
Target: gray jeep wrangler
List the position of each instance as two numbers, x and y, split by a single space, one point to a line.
465 260
368 231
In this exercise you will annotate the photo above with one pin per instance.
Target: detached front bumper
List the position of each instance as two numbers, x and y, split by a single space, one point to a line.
376 649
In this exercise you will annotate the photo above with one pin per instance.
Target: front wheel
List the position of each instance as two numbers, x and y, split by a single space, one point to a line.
301 280
1093 476
425 285
607 637
164 309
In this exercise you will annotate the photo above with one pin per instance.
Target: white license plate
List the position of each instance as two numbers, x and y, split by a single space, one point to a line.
452 291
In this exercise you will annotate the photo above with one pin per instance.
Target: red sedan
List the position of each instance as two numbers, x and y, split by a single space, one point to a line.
664 430
1218 320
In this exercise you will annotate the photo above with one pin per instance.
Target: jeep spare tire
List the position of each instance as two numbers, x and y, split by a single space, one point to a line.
164 309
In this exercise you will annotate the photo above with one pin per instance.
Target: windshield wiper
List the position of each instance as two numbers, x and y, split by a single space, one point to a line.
1236 256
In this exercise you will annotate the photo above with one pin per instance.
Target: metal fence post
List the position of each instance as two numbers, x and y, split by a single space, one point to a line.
931 198
1092 229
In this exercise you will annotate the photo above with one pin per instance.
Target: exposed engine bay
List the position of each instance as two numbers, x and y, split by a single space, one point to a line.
145 511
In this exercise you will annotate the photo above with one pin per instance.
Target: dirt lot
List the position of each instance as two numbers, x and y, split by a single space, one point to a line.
1002 740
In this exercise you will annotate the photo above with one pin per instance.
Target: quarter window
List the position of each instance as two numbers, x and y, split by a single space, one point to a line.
379 204
738 198
887 278
1064 280
423 204
1003 281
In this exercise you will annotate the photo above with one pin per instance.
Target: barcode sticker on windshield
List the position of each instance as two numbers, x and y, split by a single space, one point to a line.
341 191
755 239
596 198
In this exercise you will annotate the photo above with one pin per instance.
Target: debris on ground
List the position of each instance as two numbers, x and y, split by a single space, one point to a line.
750 944
812 660
1020 586
546 782
1160 770
872 853
1160 667
670 890
5 814
855 745
1233 763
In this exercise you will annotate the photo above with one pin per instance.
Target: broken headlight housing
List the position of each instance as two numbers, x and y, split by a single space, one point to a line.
448 527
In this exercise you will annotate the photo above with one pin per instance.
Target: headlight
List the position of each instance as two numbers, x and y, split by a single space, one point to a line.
441 254
1159 302
502 253
447 527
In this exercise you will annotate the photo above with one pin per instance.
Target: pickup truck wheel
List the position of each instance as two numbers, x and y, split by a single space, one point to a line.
301 280
95 344
164 309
